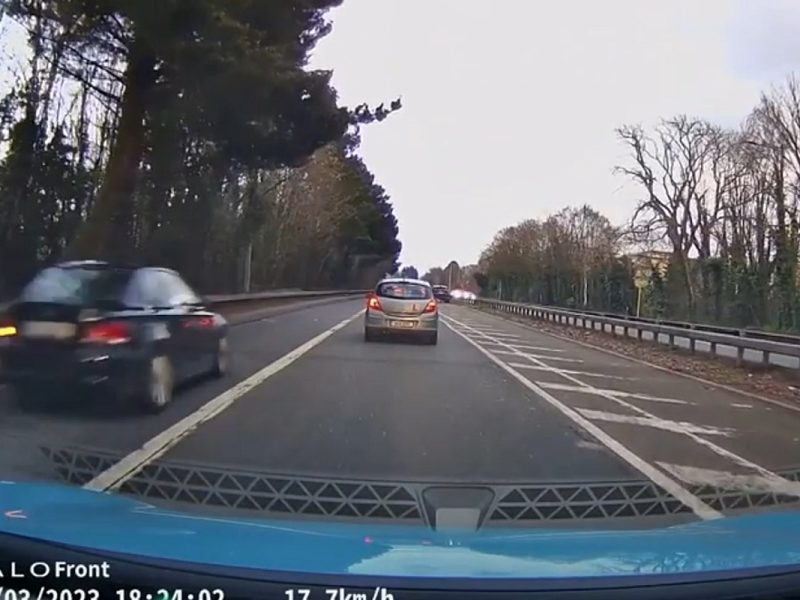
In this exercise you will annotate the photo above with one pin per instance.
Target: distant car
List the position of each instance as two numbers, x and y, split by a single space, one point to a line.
132 332
463 295
405 306
441 293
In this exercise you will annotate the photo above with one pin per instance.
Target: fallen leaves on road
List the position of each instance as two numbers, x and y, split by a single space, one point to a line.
770 382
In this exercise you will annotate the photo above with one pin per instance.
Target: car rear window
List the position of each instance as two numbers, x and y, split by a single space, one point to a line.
78 286
404 291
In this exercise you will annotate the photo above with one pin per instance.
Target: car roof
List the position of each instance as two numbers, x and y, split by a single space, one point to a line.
100 264
404 280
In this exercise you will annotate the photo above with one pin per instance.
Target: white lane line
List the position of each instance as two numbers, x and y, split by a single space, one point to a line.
571 372
535 348
523 347
732 456
655 422
513 352
740 405
565 387
498 334
661 479
733 481
127 467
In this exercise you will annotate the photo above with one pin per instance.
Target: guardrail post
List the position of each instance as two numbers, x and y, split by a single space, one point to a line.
625 331
739 356
671 340
765 358
692 344
712 348
639 334
613 329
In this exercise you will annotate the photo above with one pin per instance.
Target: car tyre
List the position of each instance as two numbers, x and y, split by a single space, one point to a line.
221 358
159 385
368 335
432 338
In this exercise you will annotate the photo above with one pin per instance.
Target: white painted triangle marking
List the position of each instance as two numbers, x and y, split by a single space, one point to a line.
536 356
557 371
499 334
655 422
750 482
565 387
519 346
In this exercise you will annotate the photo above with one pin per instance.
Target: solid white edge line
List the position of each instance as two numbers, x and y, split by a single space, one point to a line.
127 467
671 486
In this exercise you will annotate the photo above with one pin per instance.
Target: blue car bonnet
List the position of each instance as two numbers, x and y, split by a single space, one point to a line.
114 523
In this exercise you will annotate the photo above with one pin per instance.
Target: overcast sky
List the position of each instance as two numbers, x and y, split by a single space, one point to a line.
510 105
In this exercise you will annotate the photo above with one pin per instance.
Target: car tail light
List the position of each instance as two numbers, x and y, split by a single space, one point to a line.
106 332
430 307
373 303
7 328
201 323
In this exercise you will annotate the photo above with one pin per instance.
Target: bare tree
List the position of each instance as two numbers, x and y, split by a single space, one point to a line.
672 167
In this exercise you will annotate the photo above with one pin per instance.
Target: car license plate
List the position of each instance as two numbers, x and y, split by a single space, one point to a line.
48 330
403 324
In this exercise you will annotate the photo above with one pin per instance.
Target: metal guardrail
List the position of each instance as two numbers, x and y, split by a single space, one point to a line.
216 300
714 337
738 331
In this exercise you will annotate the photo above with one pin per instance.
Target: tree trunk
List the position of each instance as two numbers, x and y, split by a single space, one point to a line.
686 276
783 259
108 232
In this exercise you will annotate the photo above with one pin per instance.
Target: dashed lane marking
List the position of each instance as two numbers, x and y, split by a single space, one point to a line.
740 405
660 478
564 387
655 422
127 467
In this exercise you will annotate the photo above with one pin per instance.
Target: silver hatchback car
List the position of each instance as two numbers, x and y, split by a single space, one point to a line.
404 306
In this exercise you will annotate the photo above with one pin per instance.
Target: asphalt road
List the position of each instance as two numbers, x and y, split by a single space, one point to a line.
493 402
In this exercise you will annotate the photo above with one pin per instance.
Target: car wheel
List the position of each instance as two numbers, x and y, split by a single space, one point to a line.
432 338
160 383
368 335
221 358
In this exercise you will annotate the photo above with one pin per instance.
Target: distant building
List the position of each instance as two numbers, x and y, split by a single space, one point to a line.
648 262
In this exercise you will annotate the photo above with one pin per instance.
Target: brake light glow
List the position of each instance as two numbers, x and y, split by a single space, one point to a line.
201 323
108 332
373 303
430 307
7 330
